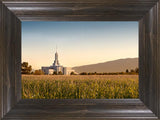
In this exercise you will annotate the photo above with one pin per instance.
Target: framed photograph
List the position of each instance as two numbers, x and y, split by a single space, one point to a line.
14 12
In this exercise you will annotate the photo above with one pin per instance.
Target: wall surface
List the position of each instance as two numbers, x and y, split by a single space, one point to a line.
10 60
70 10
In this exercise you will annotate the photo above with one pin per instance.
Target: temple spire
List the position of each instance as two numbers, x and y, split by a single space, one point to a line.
56 62
56 48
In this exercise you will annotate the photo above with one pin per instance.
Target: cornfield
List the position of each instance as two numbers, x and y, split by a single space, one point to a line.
79 86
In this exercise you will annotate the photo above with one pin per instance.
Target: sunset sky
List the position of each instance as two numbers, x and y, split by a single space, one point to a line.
79 43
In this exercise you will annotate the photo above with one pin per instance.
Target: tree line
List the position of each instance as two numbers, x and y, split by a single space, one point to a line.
27 69
127 72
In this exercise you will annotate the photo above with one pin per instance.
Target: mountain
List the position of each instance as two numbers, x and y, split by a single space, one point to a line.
119 65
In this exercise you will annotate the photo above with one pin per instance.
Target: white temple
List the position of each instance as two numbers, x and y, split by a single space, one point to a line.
57 68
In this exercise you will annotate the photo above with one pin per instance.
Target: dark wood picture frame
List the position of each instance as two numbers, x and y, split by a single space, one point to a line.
146 12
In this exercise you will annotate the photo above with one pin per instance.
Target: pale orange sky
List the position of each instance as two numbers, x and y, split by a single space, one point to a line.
79 43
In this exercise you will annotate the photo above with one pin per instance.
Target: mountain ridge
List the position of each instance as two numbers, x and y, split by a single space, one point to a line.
119 65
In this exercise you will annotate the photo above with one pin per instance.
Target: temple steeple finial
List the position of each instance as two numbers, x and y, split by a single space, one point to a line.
56 62
56 48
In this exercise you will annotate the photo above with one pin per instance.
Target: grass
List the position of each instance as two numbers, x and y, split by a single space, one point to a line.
79 86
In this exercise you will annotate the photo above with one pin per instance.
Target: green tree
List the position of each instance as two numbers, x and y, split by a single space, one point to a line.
38 72
84 73
137 70
60 73
54 73
72 73
25 68
127 71
132 71
95 73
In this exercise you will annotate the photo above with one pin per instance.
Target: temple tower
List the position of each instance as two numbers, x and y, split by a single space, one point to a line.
56 62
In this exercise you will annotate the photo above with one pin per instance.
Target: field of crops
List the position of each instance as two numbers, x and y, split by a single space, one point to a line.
79 86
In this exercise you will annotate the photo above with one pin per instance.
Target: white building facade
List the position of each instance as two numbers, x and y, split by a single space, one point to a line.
57 68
